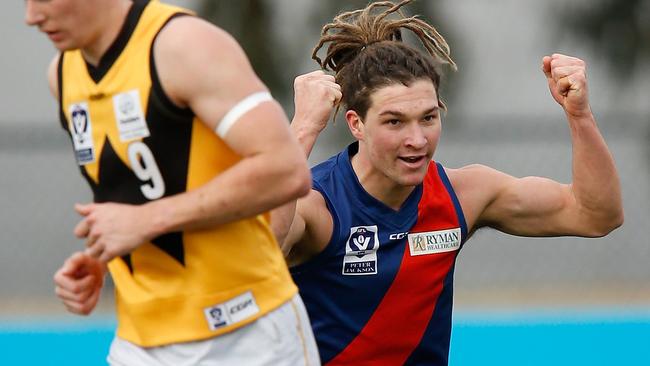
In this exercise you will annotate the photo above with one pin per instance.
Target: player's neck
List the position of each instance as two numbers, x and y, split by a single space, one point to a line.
109 23
378 185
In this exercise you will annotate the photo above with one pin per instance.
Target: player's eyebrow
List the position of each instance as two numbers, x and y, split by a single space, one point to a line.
390 112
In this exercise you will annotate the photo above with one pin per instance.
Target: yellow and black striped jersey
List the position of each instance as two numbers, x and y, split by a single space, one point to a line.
134 145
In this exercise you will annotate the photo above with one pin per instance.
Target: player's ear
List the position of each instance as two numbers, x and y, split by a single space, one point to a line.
355 124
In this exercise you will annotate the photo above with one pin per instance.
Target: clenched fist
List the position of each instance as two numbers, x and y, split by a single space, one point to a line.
111 229
316 94
78 283
567 80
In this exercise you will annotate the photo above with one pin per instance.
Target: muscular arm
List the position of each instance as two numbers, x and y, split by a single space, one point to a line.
302 227
310 229
590 206
203 68
273 169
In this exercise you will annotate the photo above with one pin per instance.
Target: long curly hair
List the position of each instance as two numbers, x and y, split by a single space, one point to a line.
366 51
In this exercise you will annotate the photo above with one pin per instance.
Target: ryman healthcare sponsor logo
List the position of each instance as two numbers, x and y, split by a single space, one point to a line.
361 251
433 242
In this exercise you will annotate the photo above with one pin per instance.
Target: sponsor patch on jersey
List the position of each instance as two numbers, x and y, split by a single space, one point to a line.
398 236
129 116
82 133
232 311
361 251
433 242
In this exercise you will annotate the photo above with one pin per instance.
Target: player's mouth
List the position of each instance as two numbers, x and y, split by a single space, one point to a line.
413 161
54 36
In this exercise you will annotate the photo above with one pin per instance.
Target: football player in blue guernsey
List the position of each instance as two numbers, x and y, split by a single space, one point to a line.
372 248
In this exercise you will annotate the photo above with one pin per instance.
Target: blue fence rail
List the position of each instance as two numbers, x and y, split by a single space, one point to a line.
531 339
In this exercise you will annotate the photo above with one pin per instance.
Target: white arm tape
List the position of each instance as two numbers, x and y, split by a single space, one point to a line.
241 108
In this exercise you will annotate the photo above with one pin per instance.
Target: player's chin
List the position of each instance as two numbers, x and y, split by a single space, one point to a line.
64 46
412 178
65 43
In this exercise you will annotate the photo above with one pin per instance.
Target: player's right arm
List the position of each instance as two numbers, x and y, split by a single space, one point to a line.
315 95
309 230
78 283
52 78
303 227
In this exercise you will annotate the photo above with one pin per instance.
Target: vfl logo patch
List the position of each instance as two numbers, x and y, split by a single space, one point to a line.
82 133
361 251
433 242
129 117
216 317
231 311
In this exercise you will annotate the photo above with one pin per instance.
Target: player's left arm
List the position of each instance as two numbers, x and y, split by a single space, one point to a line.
214 82
591 205
202 67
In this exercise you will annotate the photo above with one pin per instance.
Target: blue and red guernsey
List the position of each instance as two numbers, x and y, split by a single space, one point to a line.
380 293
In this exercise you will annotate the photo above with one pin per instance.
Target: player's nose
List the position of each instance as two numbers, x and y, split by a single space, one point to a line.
33 13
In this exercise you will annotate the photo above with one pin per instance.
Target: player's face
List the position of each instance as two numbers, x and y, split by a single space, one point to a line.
67 23
401 131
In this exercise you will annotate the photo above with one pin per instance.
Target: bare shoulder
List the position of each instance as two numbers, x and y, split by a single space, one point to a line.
467 170
476 186
469 176
186 33
195 59
52 76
